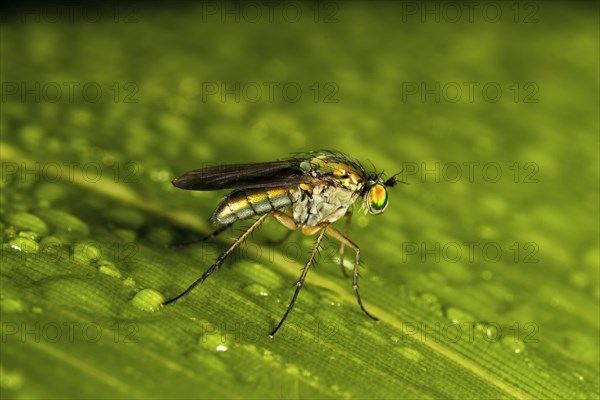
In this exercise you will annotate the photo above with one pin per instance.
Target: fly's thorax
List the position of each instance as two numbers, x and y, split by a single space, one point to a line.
340 172
323 203
246 203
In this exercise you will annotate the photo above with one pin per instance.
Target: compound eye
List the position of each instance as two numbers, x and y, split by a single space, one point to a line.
377 199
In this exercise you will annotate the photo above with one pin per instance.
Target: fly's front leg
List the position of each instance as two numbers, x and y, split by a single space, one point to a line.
342 238
342 245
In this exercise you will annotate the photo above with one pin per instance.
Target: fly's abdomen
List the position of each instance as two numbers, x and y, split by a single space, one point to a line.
247 203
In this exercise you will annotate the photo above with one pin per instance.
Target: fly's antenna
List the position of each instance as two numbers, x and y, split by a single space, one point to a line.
393 181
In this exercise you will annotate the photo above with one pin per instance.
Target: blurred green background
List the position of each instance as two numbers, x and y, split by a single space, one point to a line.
483 269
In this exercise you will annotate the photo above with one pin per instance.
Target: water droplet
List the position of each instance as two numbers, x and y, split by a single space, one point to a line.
108 268
212 337
86 253
211 361
129 282
579 279
430 302
514 344
293 370
43 203
267 355
65 221
410 353
12 305
160 175
10 232
256 290
374 279
255 272
148 300
29 235
494 205
486 275
487 232
26 221
31 135
329 298
10 380
24 245
458 316
50 242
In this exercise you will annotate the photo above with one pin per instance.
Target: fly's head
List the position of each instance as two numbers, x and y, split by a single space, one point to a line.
375 195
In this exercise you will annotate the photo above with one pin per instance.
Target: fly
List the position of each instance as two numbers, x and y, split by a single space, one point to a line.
309 192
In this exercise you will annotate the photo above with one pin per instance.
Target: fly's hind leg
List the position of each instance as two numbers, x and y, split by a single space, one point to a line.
220 260
282 218
343 239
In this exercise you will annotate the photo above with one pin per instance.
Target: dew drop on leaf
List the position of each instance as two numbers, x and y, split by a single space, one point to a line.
148 300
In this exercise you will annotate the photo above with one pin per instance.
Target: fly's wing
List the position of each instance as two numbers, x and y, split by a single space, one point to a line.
247 176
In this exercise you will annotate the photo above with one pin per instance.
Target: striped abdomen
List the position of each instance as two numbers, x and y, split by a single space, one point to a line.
246 203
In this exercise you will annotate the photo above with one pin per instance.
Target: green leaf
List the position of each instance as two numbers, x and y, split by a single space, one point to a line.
483 270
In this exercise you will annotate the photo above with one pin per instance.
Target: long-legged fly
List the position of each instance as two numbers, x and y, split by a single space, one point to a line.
309 192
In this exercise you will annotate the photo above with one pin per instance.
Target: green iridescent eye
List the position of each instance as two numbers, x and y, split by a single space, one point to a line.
377 199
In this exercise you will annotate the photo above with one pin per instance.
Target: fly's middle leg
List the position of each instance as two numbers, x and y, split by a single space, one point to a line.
342 245
342 238
284 220
300 281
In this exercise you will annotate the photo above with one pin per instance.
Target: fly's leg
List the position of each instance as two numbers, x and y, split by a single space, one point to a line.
300 281
342 238
220 260
284 220
213 235
342 245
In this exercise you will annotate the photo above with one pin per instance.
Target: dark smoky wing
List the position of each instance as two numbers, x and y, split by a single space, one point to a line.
237 176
